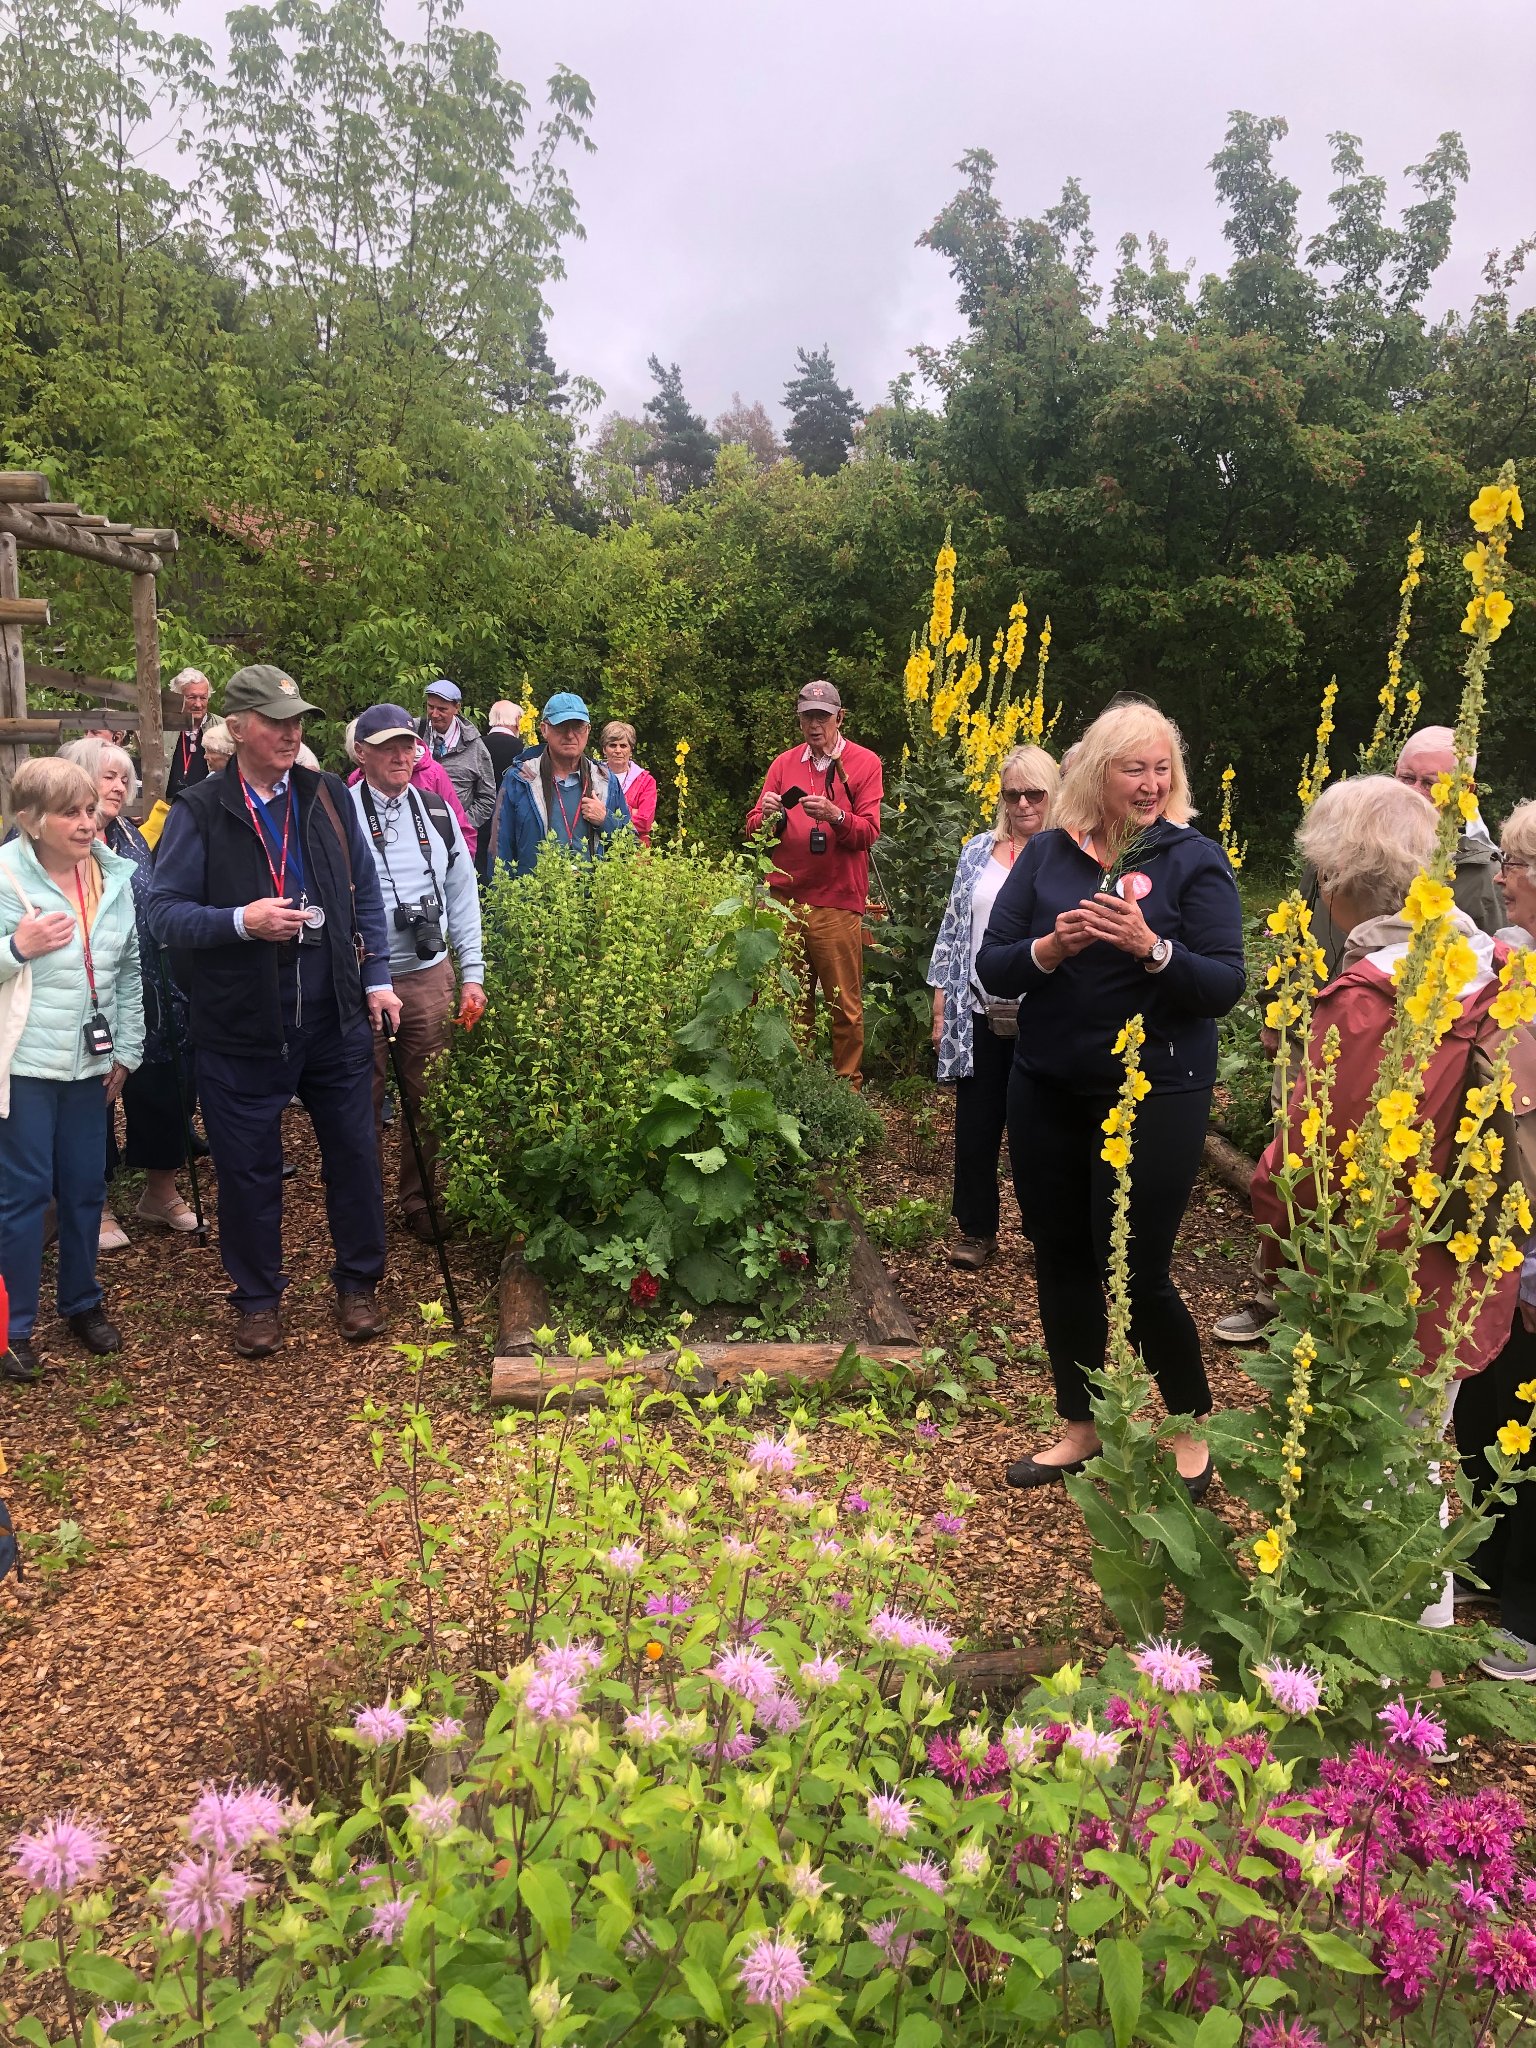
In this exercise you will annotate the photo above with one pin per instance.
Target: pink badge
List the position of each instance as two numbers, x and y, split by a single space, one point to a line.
1135 885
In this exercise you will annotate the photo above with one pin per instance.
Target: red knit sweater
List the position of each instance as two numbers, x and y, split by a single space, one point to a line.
839 878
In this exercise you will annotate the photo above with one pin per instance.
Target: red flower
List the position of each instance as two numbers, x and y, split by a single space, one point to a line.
643 1288
794 1258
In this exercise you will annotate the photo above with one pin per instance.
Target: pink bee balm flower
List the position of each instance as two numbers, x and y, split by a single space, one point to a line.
624 1559
1294 1688
1279 2032
552 1696
437 1815
827 1546
387 1921
892 1946
798 1496
889 1815
668 1605
770 1454
1504 1957
576 1661
333 2037
378 1727
1411 1728
110 2016
926 1432
230 1821
944 1524
1021 1744
737 1550
772 1972
924 1870
1170 1667
816 1673
63 1852
647 1724
446 1732
1092 1745
801 1882
781 1712
750 1674
200 1895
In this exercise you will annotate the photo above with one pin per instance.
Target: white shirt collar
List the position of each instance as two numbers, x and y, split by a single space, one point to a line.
824 760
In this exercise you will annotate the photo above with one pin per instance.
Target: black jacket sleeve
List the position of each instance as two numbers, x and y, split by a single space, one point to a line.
1208 973
1004 966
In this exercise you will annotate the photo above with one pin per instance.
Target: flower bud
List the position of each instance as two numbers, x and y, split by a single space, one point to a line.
757 1794
626 1775
581 1745
718 1843
545 2003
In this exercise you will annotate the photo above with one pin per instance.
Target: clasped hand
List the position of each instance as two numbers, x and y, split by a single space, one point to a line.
1112 918
43 931
273 917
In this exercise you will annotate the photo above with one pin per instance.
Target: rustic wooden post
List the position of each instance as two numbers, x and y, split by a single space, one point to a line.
146 660
13 674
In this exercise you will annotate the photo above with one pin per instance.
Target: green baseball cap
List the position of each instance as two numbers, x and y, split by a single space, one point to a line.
266 689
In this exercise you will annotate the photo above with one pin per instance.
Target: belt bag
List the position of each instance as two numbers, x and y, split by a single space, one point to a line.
1001 1012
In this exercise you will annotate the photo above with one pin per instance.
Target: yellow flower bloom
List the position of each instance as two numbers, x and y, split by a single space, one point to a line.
1269 1551
1498 611
1514 1439
1427 900
1395 1109
1311 1124
1294 1161
1463 1247
1489 507
1403 1144
1113 1121
1404 1381
1117 1152
1526 1391
1141 1087
1425 1189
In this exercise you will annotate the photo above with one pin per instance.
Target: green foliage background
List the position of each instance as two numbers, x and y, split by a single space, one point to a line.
332 377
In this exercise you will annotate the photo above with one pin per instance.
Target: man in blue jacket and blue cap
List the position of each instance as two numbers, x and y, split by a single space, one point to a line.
558 791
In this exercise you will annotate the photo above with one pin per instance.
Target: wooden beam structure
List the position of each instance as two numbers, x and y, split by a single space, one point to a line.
146 656
49 725
24 611
13 673
74 537
22 487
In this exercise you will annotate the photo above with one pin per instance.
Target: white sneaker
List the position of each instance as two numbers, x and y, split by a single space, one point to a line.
113 1237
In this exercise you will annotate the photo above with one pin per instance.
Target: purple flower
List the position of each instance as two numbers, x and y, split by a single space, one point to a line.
970 1775
1474 1900
668 1604
1020 1744
735 1749
816 1673
798 1496
1406 1959
1170 1667
827 1546
387 1921
64 1851
1276 2031
769 1454
926 1871
437 1815
892 1946
1092 1745
856 1504
378 1727
926 1432
333 2037
781 1712
552 1696
889 1815
772 1972
841 1600
201 1893
110 2016
749 1674
1294 1688
230 1821
575 1661
1259 1949
446 1732
738 1550
624 1559
647 1724
948 1525
1504 1957
1411 1728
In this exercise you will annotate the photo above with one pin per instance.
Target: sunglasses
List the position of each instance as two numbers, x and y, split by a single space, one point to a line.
1023 796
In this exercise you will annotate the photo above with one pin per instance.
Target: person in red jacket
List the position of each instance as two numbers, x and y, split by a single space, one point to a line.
825 793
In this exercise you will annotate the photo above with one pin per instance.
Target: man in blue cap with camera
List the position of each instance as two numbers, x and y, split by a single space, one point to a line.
560 792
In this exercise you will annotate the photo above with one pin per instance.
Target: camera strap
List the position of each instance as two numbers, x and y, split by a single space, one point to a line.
381 844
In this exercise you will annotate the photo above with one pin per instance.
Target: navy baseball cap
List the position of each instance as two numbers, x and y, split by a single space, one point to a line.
565 708
383 722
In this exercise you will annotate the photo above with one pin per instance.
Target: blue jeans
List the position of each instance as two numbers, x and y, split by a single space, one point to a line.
52 1147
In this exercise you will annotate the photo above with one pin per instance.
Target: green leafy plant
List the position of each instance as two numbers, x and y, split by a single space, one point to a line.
906 1223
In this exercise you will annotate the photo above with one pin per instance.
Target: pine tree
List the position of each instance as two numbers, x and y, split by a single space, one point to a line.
684 455
823 414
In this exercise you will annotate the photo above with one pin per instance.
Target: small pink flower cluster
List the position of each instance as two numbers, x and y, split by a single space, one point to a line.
892 1627
63 1852
772 1454
561 1670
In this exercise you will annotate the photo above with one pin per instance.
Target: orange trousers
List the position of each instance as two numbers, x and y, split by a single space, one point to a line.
834 956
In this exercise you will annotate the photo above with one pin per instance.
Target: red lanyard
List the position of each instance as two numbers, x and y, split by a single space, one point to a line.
279 873
85 941
568 822
186 753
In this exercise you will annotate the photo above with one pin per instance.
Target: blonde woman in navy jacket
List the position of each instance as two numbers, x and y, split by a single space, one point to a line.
1121 909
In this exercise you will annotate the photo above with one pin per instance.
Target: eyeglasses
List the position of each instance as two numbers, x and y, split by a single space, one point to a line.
1508 862
1023 796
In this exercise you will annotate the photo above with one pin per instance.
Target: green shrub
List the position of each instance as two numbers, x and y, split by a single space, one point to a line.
906 1223
836 1121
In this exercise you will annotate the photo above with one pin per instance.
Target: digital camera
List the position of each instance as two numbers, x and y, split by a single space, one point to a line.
423 919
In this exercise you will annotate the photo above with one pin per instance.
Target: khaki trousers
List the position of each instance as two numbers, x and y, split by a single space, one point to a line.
834 955
426 1011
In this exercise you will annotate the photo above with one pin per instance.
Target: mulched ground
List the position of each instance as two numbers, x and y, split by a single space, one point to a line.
226 1502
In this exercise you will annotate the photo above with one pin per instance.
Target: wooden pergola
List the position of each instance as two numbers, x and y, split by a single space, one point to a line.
29 518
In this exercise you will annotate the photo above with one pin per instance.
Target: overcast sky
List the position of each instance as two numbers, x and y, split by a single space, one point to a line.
764 167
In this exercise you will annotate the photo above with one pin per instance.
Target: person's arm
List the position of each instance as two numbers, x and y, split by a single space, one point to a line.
372 924
482 788
641 798
1207 972
858 827
1006 965
462 895
178 915
127 1020
773 785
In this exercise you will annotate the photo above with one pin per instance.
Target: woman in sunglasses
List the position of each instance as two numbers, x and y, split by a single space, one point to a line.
974 1032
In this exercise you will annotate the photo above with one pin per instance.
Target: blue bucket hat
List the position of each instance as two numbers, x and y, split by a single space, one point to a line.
565 708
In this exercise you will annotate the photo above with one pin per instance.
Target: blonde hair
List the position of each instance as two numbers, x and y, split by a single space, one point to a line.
93 755
619 729
1042 772
1517 834
43 788
1122 730
1367 838
218 739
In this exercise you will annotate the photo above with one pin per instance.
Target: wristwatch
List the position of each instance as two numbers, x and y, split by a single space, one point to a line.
1160 955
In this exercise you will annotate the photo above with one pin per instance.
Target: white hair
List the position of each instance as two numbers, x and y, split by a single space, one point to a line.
505 715
305 757
1367 837
183 676
93 755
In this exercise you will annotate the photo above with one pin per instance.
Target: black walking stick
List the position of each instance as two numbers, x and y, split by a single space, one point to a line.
426 1178
189 1143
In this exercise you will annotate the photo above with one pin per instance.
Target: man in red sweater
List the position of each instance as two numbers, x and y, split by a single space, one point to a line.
826 792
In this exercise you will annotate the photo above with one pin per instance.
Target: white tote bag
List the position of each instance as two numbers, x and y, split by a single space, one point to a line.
15 1001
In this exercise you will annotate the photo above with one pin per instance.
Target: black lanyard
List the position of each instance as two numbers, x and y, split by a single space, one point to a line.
418 819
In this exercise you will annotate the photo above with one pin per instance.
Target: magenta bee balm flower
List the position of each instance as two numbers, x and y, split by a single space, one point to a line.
378 1727
772 1971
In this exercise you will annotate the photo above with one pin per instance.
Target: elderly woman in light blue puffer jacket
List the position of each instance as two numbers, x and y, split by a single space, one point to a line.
973 1052
71 1031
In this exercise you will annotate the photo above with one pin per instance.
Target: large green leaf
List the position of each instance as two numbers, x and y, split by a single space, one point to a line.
547 1896
709 1277
1121 1972
467 2002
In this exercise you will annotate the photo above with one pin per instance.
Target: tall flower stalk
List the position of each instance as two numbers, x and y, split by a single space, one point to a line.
1394 720
1315 770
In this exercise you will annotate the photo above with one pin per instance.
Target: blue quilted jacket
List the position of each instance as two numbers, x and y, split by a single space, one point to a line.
52 1044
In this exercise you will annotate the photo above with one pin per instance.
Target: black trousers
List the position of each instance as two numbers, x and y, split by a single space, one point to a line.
1065 1191
981 1116
1506 1558
153 1117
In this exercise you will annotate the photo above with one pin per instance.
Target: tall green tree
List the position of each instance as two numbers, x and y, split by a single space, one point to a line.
683 453
822 415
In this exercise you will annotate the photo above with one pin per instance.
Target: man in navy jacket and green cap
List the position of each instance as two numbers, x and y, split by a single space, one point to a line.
558 791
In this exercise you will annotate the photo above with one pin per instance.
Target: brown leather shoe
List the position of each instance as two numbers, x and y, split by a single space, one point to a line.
258 1334
358 1316
970 1254
419 1224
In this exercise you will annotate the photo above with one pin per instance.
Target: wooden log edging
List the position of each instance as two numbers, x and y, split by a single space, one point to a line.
528 1382
1232 1168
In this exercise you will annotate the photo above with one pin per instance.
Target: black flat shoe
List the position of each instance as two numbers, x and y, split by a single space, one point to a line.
1027 1472
21 1364
1200 1485
95 1332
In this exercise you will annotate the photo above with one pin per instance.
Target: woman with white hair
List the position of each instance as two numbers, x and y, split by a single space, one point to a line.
155 1117
1120 909
974 1032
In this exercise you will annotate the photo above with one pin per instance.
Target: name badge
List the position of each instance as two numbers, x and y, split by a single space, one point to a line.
1134 886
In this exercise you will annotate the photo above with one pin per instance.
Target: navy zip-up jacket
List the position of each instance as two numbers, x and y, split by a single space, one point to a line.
1069 1024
